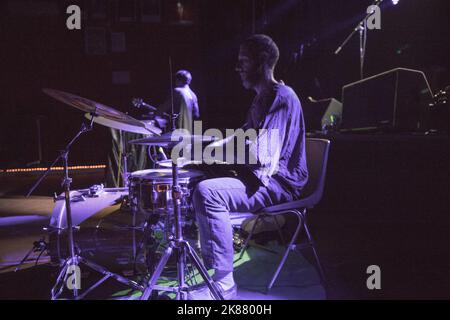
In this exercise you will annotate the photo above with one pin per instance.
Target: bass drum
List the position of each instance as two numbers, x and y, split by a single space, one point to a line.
103 226
85 203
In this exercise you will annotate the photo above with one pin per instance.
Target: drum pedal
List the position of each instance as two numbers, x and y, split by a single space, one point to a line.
125 203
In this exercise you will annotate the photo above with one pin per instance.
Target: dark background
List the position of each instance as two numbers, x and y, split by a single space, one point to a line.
386 198
38 51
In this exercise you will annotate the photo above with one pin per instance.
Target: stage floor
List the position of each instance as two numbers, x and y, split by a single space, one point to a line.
22 221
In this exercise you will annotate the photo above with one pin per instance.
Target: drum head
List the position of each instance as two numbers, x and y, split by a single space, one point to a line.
165 175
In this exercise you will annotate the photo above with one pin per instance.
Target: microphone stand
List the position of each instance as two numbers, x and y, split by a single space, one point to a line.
361 27
63 155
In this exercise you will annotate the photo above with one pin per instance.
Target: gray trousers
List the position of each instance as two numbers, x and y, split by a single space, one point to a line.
213 200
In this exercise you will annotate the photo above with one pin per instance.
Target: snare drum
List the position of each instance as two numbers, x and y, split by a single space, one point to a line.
151 190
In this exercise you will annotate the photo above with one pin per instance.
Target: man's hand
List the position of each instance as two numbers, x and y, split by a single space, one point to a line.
220 143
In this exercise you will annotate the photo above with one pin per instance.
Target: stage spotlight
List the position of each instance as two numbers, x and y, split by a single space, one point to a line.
394 2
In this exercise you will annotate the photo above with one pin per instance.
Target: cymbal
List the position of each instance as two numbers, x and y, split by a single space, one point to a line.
169 139
89 106
148 129
164 175
150 125
181 162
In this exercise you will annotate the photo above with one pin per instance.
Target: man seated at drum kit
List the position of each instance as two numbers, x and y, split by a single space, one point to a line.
279 175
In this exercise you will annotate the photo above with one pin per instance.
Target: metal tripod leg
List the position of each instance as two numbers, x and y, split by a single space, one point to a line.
203 272
184 249
158 270
24 259
76 261
60 281
107 274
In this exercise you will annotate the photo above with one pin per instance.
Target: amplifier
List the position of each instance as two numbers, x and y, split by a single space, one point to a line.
392 100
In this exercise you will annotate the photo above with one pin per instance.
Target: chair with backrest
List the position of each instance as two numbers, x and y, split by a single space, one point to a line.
317 158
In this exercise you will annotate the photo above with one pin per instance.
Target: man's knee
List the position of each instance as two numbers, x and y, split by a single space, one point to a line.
206 196
202 190
202 193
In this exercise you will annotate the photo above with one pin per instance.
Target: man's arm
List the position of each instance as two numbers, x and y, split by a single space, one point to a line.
195 108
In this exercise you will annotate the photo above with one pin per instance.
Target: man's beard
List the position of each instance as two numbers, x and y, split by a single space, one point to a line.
251 79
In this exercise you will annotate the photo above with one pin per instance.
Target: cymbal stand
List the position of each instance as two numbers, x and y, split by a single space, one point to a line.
71 265
177 243
183 250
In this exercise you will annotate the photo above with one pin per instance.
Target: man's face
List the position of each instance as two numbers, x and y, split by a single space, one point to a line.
248 69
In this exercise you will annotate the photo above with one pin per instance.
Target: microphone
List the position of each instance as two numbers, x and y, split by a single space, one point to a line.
139 103
148 106
311 99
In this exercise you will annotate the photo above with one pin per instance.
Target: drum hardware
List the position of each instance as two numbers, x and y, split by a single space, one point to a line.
155 116
150 196
171 139
125 173
75 259
123 163
169 207
150 190
96 190
96 111
141 127
156 155
182 162
139 103
40 246
73 198
99 204
177 243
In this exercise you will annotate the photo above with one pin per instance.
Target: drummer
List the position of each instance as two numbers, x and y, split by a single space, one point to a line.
185 102
278 176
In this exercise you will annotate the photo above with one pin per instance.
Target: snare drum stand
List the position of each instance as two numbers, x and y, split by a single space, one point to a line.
70 275
177 243
183 249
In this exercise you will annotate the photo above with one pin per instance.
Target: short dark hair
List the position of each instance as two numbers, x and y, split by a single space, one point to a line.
183 76
258 44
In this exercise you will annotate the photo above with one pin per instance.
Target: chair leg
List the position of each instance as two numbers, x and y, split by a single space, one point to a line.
279 230
289 248
249 237
313 247
316 256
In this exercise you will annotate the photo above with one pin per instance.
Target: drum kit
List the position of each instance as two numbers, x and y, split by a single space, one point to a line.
162 193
